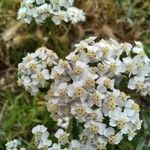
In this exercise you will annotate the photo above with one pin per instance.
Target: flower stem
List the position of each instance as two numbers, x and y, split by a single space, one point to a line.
55 39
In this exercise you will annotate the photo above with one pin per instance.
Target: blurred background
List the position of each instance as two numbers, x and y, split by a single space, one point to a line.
123 20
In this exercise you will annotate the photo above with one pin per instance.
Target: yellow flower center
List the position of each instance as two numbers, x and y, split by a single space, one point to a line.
79 92
61 16
112 139
130 67
53 108
75 58
142 53
50 93
94 116
28 58
120 123
100 146
105 51
96 99
81 110
94 129
58 76
108 83
64 63
123 96
49 53
80 48
55 1
101 67
78 70
136 107
90 82
111 103
131 133
139 86
49 63
63 93
140 66
37 137
91 54
32 66
113 67
63 138
40 77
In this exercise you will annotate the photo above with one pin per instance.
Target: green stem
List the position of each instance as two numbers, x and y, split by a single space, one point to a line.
112 147
75 129
55 39
67 29
3 110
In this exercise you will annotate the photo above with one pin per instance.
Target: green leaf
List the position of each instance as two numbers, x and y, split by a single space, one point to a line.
141 144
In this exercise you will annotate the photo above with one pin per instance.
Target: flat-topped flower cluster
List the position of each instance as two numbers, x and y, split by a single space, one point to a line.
34 70
57 10
84 87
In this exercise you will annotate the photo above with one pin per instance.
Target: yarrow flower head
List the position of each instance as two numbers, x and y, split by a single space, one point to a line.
58 10
34 70
41 137
14 145
84 88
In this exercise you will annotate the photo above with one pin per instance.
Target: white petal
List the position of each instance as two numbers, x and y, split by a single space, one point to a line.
113 123
46 74
129 112
109 131
40 1
56 20
131 84
119 137
70 89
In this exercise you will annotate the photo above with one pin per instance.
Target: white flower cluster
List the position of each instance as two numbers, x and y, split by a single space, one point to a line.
14 145
41 138
34 70
42 142
139 68
58 10
84 88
